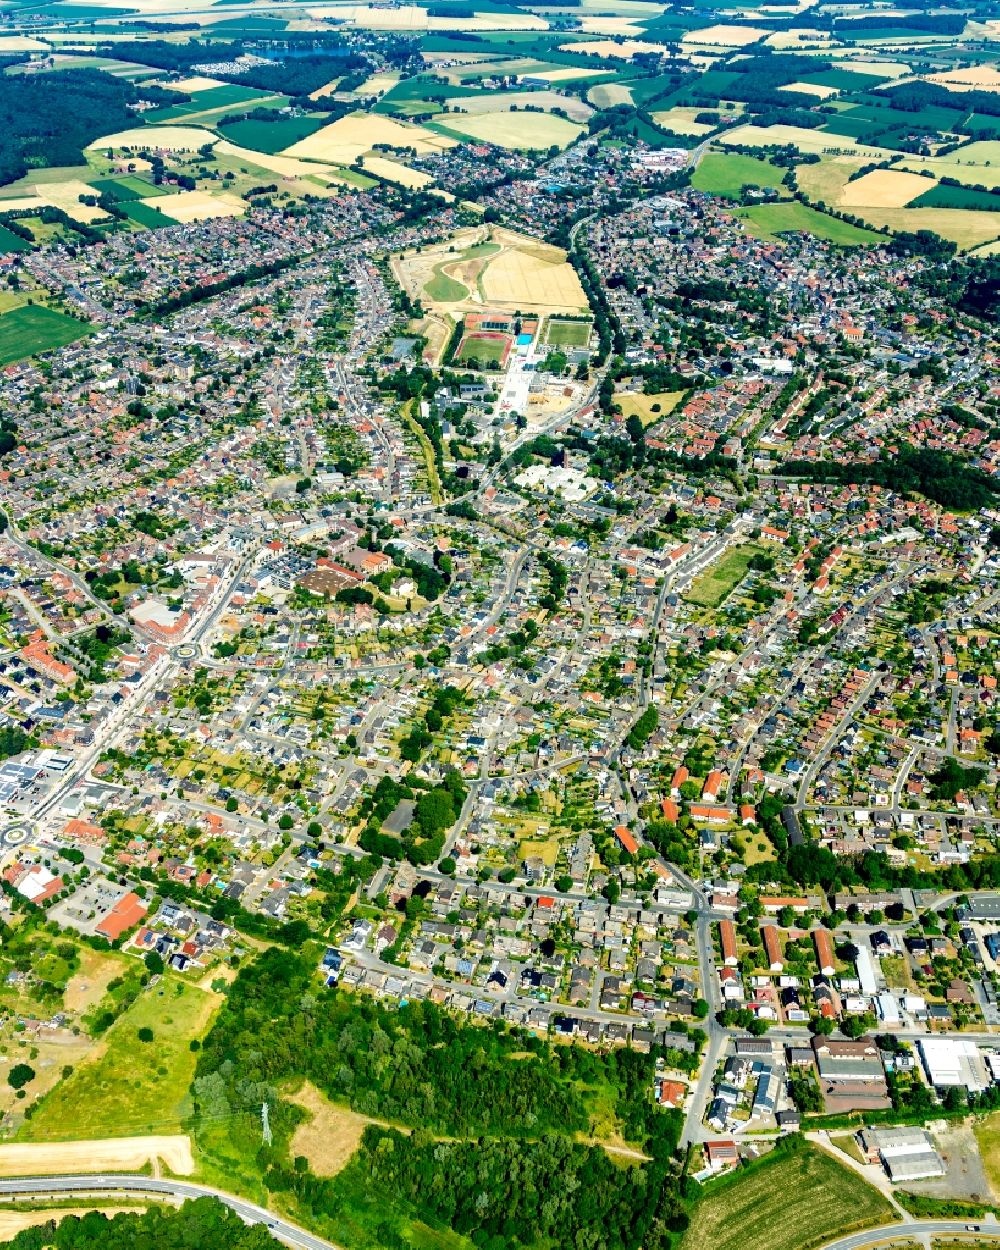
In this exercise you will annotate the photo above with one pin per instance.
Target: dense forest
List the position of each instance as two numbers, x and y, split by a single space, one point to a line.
203 1224
297 76
46 121
506 1193
514 1102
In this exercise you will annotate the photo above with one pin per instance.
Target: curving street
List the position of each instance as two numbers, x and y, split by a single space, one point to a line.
102 1185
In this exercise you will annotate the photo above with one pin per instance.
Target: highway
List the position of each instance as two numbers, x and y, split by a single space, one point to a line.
102 1185
913 1230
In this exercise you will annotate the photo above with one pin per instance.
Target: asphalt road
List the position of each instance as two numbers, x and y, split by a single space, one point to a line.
249 1212
912 1230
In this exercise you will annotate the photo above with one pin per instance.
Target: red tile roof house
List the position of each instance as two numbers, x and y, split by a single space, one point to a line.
128 911
772 945
727 934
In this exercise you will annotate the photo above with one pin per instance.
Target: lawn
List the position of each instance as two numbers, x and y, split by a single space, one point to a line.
770 221
648 408
32 329
713 586
443 289
133 1087
787 1202
274 136
726 173
567 333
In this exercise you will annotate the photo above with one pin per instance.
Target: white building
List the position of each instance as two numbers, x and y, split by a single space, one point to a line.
953 1061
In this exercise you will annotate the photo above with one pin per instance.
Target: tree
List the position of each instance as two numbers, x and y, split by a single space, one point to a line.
285 822
154 963
699 1009
447 866
21 1074
564 883
145 1034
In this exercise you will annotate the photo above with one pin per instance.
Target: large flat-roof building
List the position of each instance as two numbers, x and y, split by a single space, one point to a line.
907 1154
953 1061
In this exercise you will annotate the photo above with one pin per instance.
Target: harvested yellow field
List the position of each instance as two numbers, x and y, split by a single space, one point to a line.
506 101
343 141
393 171
490 267
965 227
723 36
799 137
327 89
975 78
406 17
63 195
113 1154
21 43
525 131
560 73
189 206
528 281
681 121
811 88
286 166
825 180
489 21
607 95
160 139
623 50
331 1134
610 26
377 84
880 69
190 85
784 39
884 188
14 1222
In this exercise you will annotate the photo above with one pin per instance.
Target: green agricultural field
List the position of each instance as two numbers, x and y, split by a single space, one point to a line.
770 221
134 1086
211 98
33 329
11 242
787 1202
958 197
125 189
274 136
713 586
148 215
725 173
567 333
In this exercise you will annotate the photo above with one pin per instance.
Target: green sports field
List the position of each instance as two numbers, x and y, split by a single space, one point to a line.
478 348
792 1201
568 333
33 329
